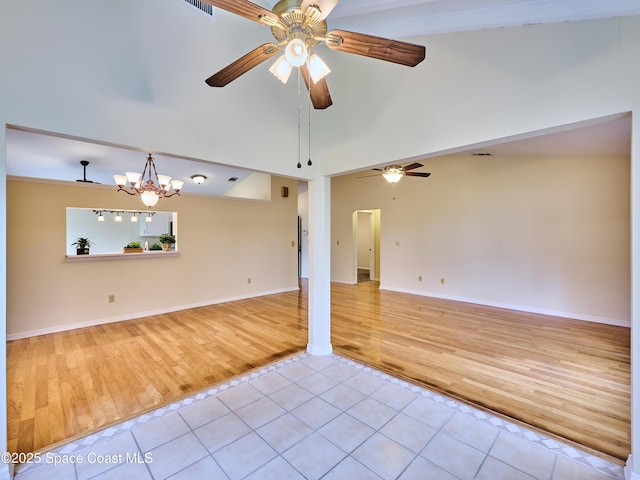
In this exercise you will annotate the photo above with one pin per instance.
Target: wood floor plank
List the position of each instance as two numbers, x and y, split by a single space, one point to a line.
566 377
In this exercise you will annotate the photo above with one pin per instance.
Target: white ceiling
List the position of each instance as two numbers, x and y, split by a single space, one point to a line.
34 154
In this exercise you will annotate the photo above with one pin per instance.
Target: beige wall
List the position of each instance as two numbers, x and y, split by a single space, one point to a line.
548 235
222 241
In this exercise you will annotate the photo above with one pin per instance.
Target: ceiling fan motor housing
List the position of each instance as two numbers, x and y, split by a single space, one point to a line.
294 23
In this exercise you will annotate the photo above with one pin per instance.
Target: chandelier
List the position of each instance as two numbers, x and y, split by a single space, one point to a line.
144 186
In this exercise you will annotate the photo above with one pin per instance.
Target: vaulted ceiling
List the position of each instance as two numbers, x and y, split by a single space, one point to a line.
32 154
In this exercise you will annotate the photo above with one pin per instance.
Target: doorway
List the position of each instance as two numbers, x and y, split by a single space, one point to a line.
366 241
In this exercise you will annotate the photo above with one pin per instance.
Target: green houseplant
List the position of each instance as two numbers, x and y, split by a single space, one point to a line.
133 247
82 245
166 239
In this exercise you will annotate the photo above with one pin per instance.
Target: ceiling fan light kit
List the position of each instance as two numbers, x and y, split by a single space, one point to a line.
147 189
298 26
393 174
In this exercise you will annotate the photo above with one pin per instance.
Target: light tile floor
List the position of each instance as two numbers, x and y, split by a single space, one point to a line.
310 417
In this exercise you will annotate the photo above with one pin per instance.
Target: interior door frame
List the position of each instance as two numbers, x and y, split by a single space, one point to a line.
373 250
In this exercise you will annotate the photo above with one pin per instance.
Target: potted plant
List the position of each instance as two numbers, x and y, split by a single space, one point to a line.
133 247
155 247
166 239
82 245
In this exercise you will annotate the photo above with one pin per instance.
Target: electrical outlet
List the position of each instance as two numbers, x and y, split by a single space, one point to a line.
442 281
249 280
112 298
419 278
293 243
397 243
337 242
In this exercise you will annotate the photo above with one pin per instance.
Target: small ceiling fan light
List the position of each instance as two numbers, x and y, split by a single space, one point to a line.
296 52
198 179
393 174
317 68
281 69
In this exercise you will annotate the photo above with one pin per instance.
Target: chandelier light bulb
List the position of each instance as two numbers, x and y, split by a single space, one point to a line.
149 198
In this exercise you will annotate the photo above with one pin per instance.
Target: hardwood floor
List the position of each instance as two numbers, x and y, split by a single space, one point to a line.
567 377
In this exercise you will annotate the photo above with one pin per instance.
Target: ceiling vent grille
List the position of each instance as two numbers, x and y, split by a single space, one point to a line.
199 6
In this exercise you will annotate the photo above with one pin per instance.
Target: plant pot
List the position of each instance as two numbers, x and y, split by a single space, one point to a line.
166 247
132 250
82 251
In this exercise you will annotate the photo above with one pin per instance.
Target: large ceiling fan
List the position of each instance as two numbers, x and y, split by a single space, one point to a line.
393 173
298 26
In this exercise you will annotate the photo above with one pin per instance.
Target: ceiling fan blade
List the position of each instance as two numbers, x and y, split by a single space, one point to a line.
243 8
379 48
417 174
326 6
413 166
319 91
245 63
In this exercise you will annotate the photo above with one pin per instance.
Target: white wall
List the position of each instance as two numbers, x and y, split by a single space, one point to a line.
548 235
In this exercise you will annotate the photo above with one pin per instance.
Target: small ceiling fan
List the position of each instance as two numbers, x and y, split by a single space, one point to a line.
394 173
84 164
299 25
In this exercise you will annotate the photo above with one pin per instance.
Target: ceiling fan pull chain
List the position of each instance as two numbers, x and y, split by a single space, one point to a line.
299 107
309 110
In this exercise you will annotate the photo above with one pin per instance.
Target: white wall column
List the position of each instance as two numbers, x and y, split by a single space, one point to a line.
320 267
632 469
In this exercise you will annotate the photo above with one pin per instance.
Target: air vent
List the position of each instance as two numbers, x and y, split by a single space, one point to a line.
232 179
482 154
199 6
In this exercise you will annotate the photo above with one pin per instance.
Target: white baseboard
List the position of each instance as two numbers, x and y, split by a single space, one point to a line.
628 473
522 308
133 316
